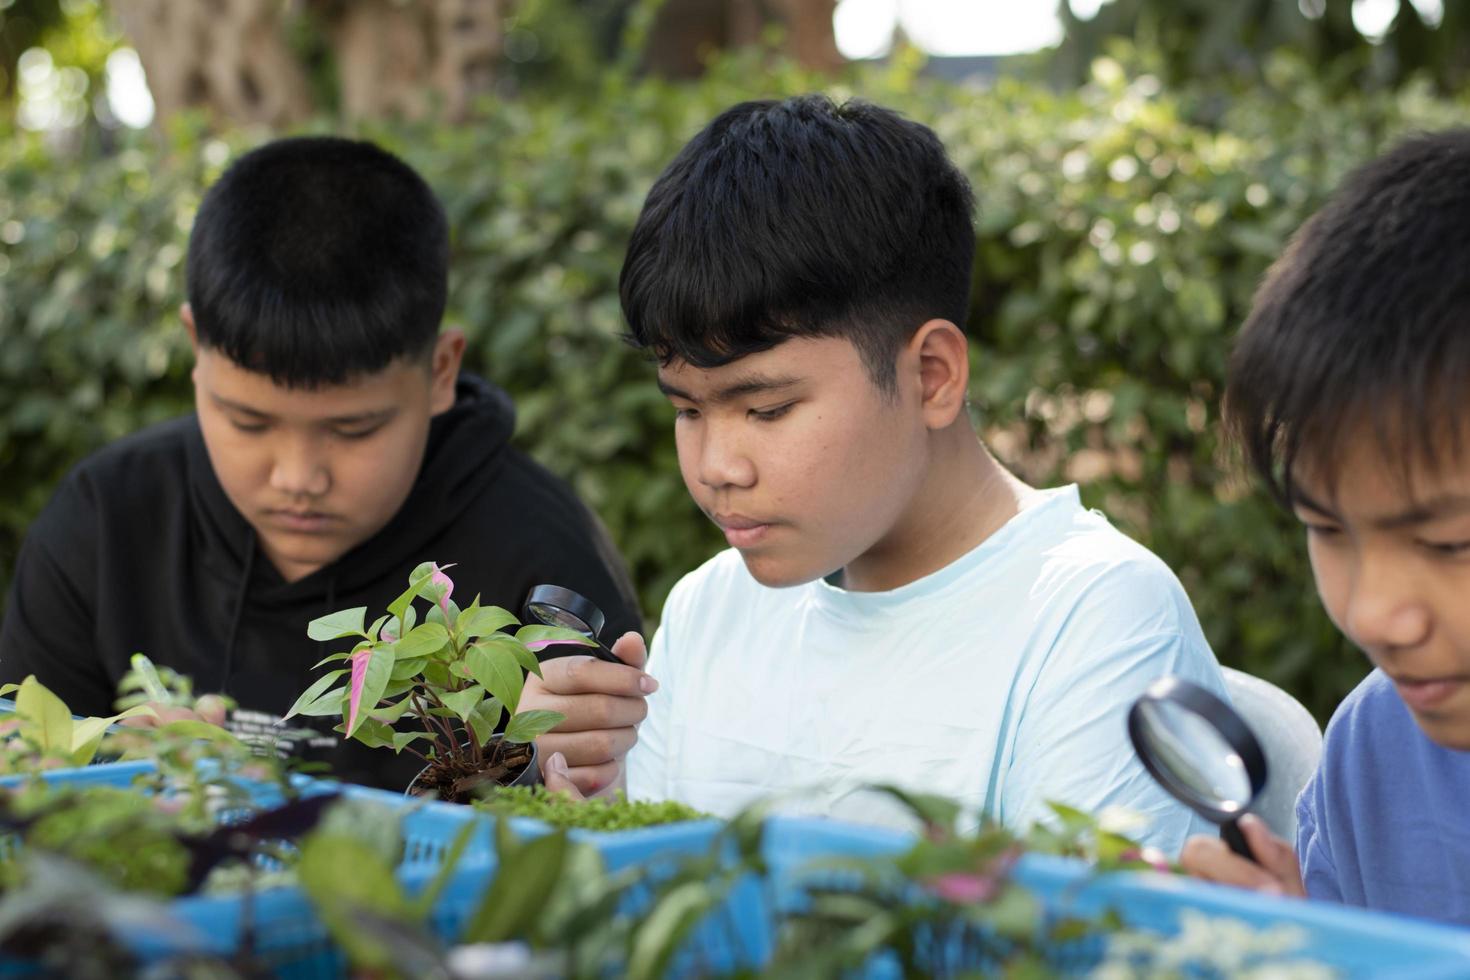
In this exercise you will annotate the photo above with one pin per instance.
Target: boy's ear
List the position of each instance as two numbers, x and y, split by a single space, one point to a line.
186 315
444 369
943 356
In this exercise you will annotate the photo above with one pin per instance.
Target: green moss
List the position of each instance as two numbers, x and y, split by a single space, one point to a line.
597 814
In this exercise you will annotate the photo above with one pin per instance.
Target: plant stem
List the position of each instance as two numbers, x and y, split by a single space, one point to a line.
448 726
428 720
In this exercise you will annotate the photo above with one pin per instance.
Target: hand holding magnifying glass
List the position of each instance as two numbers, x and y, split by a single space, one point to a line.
1201 751
551 605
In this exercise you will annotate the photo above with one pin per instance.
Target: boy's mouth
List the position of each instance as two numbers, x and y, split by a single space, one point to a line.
1426 694
741 531
301 521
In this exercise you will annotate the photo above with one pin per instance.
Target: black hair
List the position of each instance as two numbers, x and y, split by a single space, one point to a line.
1361 329
800 218
316 260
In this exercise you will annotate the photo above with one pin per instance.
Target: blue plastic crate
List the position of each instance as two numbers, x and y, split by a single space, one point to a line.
289 938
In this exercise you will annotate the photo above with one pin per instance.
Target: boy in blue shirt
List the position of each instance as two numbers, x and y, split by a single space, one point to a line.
1348 392
895 606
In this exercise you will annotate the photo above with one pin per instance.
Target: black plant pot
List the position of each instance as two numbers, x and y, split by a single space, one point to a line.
530 775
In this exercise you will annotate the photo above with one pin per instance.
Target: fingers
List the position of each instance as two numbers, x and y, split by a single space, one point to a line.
590 748
1273 854
590 712
211 708
1211 859
631 650
558 779
588 675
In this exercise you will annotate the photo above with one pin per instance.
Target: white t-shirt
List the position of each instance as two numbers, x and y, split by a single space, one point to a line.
1002 680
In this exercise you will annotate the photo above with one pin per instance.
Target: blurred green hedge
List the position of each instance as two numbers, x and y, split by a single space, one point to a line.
1119 247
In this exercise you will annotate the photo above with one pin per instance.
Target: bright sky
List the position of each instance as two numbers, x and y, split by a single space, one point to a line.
971 27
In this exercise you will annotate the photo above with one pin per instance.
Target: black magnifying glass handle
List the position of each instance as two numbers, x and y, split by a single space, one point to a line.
1231 835
601 651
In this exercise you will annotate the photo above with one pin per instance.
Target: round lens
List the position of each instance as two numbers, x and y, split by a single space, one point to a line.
557 616
1194 756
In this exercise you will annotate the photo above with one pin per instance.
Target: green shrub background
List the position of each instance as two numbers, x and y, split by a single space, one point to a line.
1120 239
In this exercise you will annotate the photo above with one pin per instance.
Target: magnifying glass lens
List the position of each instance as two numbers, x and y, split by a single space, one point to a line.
556 616
1192 754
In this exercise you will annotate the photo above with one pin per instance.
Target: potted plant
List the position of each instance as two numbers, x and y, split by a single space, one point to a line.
456 675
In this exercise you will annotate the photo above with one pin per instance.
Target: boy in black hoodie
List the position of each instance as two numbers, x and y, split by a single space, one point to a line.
335 446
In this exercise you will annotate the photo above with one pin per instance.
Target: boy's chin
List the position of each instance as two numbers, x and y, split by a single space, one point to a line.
774 573
1446 731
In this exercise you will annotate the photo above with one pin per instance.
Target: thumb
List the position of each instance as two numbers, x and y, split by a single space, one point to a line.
1273 854
558 779
631 650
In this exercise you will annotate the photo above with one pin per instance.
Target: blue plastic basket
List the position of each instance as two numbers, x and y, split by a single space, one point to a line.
290 940
742 933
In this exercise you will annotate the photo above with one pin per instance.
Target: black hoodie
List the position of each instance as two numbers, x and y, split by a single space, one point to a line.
140 550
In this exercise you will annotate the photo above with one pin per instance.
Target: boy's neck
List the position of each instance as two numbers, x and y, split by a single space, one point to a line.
964 498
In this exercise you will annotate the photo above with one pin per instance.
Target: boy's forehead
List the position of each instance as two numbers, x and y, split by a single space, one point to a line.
789 362
232 384
1369 477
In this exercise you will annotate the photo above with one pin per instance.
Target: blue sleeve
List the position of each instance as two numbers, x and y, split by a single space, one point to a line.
1313 848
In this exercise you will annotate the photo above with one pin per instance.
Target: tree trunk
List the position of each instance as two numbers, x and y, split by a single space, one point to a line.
227 56
686 32
398 58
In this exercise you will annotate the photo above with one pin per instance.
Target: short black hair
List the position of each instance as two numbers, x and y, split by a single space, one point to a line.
316 260
800 218
1362 326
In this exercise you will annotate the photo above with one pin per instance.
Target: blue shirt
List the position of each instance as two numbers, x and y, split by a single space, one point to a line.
1002 680
1385 821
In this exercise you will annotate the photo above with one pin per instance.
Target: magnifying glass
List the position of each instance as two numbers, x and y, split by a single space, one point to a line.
551 605
1201 751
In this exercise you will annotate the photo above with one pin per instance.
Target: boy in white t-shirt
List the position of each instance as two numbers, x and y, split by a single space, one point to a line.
896 606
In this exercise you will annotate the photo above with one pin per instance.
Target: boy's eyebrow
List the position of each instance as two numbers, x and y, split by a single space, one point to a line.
739 388
1445 505
357 418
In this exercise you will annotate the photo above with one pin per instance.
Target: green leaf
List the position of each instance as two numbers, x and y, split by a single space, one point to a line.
547 635
344 876
332 659
463 703
373 734
405 669
49 719
393 712
416 582
333 626
423 903
485 719
421 641
666 926
402 739
523 883
377 626
311 694
531 725
498 670
333 702
477 621
517 649
8 689
202 730
148 678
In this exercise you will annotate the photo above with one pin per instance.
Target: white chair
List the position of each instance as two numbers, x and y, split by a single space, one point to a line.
1290 738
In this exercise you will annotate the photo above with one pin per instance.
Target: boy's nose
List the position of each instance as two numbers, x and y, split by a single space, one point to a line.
1384 610
300 473
724 463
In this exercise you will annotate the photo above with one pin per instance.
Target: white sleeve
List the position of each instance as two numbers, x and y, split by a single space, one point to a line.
1072 743
648 776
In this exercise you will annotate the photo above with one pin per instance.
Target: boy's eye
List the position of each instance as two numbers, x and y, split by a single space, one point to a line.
248 427
1448 549
355 433
1321 530
771 414
685 413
